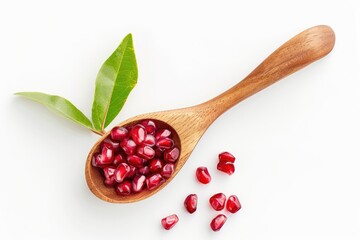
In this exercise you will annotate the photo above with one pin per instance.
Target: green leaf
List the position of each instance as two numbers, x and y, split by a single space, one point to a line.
114 82
59 105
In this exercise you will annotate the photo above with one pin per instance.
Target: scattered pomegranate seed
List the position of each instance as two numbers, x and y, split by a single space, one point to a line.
162 133
149 140
233 204
109 176
190 203
138 133
121 172
138 183
149 125
217 223
203 175
217 201
154 181
227 168
226 157
145 152
96 160
165 143
169 221
136 161
119 133
128 146
107 155
171 155
123 188
156 165
167 170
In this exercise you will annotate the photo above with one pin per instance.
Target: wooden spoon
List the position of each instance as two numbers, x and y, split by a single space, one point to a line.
190 123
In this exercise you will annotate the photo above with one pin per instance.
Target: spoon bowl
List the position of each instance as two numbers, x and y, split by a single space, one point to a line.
189 124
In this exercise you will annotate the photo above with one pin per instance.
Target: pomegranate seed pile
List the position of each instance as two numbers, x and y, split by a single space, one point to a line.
137 157
218 201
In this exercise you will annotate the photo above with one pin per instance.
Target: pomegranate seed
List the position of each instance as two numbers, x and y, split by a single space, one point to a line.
165 143
217 223
217 201
121 172
226 157
163 133
191 203
138 183
107 155
159 152
119 158
136 161
111 144
154 181
138 133
123 188
149 125
96 159
167 170
110 182
155 165
233 204
145 152
227 168
119 133
149 140
133 171
203 175
144 170
171 155
109 171
169 221
128 146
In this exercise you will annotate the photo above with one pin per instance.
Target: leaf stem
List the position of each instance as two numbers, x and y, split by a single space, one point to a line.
98 132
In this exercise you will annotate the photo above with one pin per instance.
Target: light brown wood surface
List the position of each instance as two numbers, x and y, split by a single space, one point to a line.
191 123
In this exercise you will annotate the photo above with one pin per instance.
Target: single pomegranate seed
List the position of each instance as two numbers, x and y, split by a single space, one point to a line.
133 171
119 133
138 183
155 165
217 223
227 168
169 221
165 143
110 182
191 203
138 133
154 181
144 170
217 201
109 176
96 159
149 140
136 161
119 158
171 155
159 152
123 188
203 175
167 170
128 146
111 144
107 155
121 172
149 125
226 157
145 152
233 204
163 133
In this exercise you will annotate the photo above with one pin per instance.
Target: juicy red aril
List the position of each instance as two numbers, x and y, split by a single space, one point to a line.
135 161
144 170
165 143
169 221
149 125
171 155
167 170
145 152
203 175
138 183
118 159
138 133
109 182
133 171
217 223
233 204
149 140
154 181
159 153
119 133
155 165
128 146
123 188
217 201
162 133
107 155
96 159
190 203
109 173
121 172
226 157
227 168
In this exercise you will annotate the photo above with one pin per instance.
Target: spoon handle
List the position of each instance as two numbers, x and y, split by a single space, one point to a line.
301 50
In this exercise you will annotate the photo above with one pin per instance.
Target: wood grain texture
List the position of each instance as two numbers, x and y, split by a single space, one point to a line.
191 123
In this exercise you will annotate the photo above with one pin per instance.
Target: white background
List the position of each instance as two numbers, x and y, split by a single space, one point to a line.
296 143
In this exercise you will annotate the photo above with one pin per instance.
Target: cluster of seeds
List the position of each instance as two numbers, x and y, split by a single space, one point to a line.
137 157
218 201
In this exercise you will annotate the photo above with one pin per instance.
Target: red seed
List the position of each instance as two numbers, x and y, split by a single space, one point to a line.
107 155
121 172
217 201
133 171
190 203
119 133
109 176
128 146
111 144
165 143
145 152
233 204
217 223
138 183
226 157
138 133
171 155
169 221
155 165
154 181
227 168
163 133
110 182
167 170
149 140
159 152
123 188
149 125
136 161
144 170
119 158
96 159
203 175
